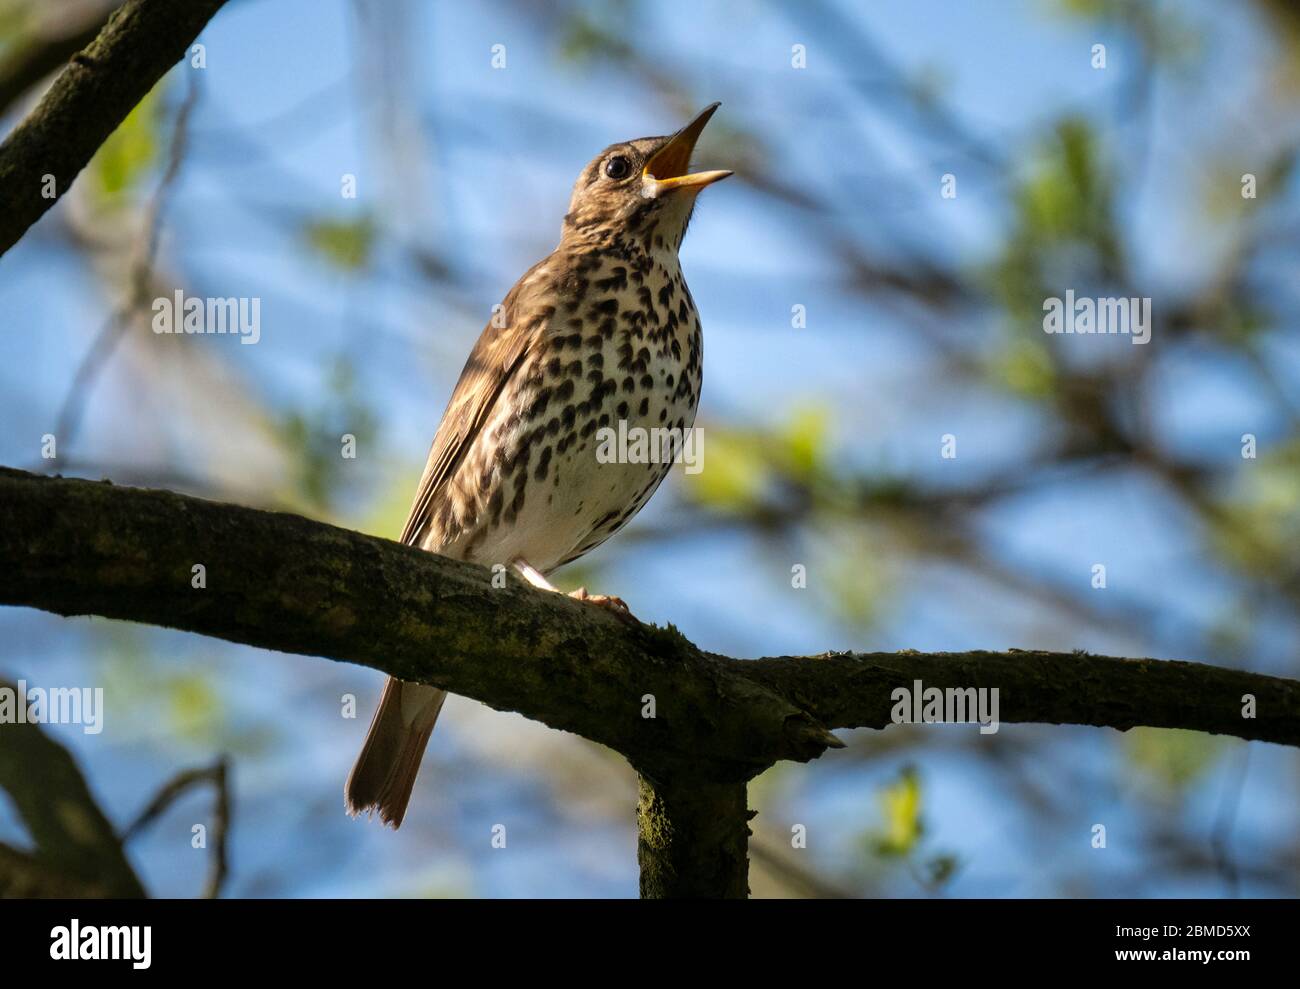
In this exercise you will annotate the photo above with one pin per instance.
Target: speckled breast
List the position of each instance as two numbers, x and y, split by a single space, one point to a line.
623 346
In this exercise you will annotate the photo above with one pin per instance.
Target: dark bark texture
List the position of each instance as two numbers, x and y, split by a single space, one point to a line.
283 582
94 93
27 63
77 853
692 840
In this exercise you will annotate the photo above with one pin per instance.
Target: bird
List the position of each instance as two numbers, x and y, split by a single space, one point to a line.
601 332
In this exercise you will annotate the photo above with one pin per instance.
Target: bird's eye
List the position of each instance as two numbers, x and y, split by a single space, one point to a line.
618 167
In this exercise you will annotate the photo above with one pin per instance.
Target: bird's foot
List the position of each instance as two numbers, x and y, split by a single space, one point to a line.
617 605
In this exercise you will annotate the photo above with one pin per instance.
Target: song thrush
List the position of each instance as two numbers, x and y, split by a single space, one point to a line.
602 331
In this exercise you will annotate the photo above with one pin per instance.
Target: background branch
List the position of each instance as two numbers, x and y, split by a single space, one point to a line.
85 104
25 65
77 851
217 775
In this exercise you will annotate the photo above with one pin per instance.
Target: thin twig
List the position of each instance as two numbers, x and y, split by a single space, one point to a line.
217 775
140 288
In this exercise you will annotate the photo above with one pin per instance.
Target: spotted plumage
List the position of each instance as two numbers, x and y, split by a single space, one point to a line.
602 333
622 357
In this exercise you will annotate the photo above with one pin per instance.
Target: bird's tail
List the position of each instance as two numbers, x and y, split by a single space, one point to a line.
385 771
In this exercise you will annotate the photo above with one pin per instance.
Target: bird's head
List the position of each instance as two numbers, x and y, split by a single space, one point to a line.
632 187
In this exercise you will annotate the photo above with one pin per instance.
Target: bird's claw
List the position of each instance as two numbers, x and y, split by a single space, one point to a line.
617 605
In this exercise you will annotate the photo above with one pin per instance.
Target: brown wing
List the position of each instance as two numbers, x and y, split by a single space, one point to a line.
500 351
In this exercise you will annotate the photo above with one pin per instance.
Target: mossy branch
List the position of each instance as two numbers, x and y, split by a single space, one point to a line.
93 94
283 582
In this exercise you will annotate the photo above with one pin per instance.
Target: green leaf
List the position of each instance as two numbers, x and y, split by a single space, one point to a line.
194 706
735 474
857 593
900 805
313 435
805 438
129 152
938 871
1025 368
346 244
1173 758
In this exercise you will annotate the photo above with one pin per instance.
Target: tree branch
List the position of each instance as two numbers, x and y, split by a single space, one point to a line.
692 840
26 877
77 851
283 582
85 104
26 64
852 690
217 775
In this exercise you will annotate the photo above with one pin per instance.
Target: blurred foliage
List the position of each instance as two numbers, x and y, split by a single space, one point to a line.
747 467
1025 368
1171 758
1230 630
1223 184
315 436
13 24
193 704
1284 17
1170 41
900 809
1259 525
1062 234
130 152
154 695
345 244
736 475
861 577
591 31
900 835
387 509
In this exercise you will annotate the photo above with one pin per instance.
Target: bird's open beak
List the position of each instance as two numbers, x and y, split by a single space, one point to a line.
666 169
